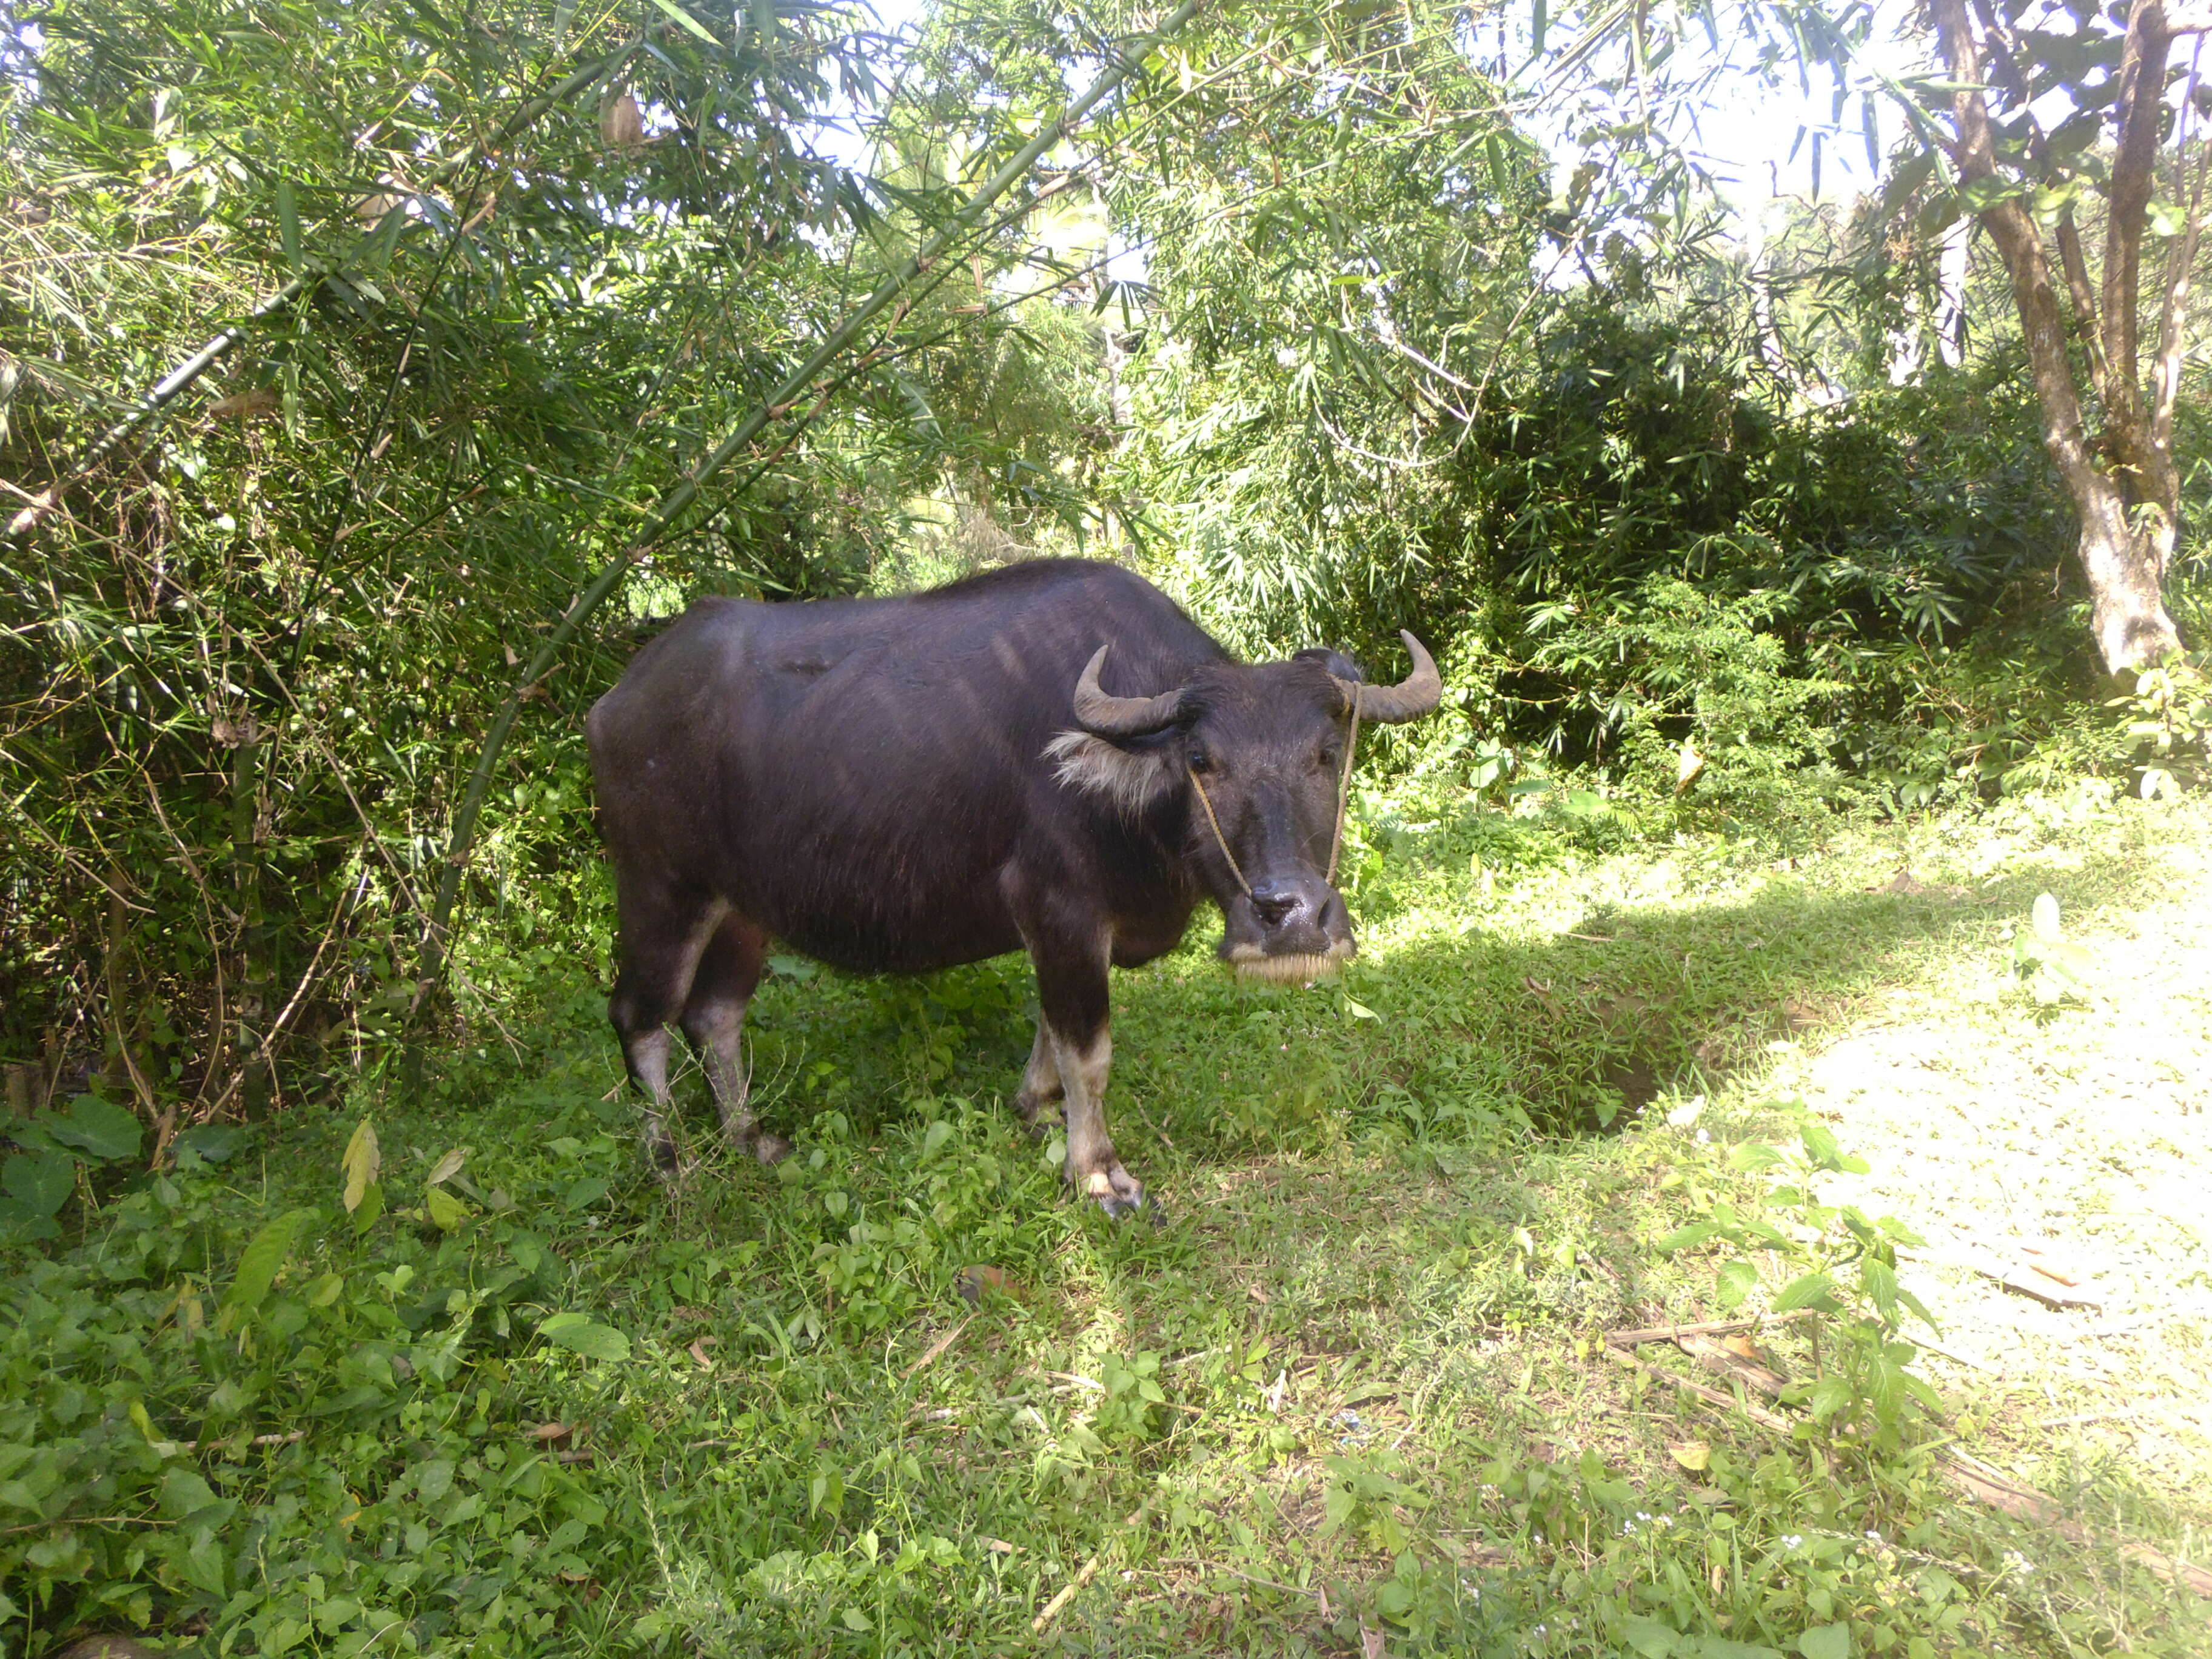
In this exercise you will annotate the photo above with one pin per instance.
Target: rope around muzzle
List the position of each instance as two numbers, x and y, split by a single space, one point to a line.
1343 799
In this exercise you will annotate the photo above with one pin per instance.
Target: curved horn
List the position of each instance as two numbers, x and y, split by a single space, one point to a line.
1416 694
1107 717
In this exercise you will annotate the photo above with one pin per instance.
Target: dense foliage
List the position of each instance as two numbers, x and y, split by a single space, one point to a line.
1298 324
342 347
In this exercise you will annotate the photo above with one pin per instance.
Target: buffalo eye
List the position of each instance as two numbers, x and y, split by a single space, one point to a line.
1199 762
1325 760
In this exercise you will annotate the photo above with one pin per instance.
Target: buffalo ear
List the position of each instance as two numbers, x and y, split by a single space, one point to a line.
1334 663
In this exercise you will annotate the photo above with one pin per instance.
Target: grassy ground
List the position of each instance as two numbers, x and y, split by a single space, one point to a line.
1352 1397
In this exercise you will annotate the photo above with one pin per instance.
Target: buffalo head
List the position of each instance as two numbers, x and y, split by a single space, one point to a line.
1259 752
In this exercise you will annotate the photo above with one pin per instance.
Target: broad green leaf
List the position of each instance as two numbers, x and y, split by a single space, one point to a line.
1828 1396
216 1142
372 1205
1683 1238
99 1128
581 1334
1812 1290
1820 1146
1649 1638
446 1211
258 1266
40 1182
1737 1281
1881 1281
361 1164
185 1491
21 1224
447 1167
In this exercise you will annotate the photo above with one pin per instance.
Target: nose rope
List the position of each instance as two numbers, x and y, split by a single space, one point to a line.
1219 840
1344 791
1343 798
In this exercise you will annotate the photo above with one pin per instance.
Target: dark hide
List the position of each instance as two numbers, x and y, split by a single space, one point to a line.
895 786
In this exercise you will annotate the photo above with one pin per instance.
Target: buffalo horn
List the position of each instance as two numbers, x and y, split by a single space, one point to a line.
1416 694
1106 716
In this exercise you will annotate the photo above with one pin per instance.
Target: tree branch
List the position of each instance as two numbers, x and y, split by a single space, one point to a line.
2042 328
2072 259
2180 264
2135 165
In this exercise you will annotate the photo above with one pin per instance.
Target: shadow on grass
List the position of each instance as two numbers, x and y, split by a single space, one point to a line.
1564 1034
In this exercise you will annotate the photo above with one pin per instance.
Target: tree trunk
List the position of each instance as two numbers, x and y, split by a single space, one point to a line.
2125 563
2123 547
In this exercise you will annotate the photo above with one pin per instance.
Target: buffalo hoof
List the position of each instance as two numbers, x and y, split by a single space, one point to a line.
1121 1195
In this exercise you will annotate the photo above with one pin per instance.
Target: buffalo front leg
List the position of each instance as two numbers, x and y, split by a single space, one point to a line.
714 1019
1072 987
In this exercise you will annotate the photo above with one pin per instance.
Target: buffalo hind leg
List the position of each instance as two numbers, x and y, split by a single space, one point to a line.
1040 1090
1072 986
661 939
714 1019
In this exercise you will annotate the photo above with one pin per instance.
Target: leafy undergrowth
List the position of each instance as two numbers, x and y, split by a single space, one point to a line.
491 1391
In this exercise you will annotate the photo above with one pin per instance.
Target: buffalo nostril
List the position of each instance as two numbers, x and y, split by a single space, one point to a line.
1273 903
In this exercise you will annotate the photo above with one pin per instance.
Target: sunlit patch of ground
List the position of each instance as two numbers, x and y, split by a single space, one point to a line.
2076 1137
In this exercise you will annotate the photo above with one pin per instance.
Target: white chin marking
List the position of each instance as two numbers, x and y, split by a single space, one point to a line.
1296 969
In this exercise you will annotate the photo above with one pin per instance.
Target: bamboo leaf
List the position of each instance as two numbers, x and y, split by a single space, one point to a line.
678 15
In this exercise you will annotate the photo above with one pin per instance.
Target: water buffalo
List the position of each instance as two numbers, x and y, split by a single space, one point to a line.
900 785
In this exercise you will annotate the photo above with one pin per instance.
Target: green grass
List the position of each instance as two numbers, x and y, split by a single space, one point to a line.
1357 1380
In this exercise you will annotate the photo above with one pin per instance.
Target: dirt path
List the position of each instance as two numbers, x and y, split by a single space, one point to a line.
2075 1138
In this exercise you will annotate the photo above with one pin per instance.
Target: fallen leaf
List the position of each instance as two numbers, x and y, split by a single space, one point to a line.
1370 1642
2053 1268
698 1352
997 1547
550 1431
1693 1455
1743 1348
979 1279
252 405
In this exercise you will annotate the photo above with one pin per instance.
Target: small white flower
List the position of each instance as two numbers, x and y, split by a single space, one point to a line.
1792 1541
1704 1136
